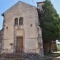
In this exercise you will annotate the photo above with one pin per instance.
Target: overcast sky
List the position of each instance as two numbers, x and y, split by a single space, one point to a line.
6 4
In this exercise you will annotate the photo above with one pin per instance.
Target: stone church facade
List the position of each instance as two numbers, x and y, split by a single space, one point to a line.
21 32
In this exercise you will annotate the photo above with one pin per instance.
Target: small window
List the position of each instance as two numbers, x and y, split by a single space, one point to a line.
16 21
20 21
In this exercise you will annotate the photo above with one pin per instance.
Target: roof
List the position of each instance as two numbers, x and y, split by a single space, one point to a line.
16 4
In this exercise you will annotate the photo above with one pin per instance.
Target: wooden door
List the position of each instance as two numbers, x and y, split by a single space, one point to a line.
19 45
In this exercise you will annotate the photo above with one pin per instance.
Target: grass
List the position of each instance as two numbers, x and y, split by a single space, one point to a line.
50 56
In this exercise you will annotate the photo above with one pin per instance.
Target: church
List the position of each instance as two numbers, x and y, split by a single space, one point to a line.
21 32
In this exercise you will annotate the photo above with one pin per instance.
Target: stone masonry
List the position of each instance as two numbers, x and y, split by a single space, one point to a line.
30 30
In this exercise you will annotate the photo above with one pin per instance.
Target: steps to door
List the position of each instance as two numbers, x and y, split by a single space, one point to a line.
20 56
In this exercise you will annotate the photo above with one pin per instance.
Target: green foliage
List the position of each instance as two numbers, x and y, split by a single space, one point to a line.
49 22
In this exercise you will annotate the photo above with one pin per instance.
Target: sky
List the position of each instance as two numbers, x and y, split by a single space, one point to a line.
6 4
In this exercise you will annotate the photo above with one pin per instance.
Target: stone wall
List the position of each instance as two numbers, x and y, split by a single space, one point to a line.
30 17
1 39
50 46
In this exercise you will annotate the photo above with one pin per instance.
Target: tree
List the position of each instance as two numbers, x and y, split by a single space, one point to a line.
49 22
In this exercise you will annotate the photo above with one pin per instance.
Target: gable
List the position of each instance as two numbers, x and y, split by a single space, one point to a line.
19 5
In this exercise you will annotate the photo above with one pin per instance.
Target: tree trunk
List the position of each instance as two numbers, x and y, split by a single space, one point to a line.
50 47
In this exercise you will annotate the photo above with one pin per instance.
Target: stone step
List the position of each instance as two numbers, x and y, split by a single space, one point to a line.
11 59
20 56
